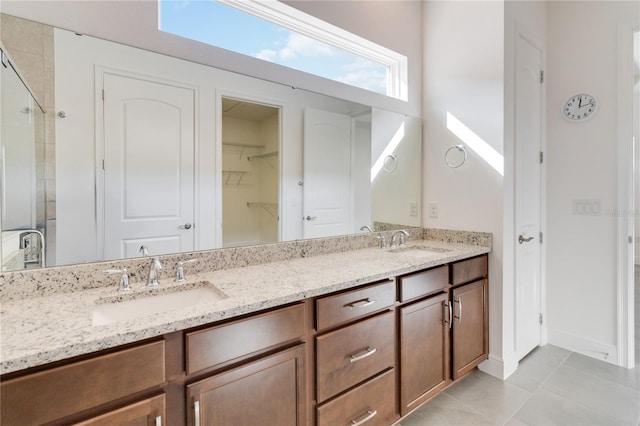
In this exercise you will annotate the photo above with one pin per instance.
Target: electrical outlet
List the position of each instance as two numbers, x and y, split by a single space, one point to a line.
413 208
434 210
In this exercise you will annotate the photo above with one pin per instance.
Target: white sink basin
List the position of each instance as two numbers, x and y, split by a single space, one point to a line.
419 250
155 302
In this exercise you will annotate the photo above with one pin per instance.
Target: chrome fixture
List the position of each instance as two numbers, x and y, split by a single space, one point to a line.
123 284
180 270
154 268
402 233
383 241
366 228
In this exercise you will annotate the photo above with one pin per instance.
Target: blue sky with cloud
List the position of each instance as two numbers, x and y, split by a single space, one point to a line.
210 22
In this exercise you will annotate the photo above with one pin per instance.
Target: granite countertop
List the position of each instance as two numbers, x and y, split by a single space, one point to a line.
39 330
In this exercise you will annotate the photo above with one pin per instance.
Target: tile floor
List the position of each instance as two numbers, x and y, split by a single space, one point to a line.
552 386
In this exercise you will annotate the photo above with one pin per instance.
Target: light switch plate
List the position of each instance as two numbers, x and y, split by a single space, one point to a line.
434 210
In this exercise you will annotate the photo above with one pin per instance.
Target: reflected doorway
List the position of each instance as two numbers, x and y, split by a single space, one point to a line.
250 173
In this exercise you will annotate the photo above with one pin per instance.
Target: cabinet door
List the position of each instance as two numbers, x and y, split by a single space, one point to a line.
470 327
424 350
270 391
150 412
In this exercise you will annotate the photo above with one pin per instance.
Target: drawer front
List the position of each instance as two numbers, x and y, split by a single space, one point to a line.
343 307
236 340
469 270
423 283
373 403
147 412
351 355
53 394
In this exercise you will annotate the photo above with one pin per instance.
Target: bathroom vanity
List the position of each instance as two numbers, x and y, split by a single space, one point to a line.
356 337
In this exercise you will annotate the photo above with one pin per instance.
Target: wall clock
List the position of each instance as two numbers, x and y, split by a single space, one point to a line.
579 107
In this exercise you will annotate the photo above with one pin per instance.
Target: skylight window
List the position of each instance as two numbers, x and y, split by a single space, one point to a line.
274 32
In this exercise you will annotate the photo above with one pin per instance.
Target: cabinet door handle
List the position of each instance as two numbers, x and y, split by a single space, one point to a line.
449 313
362 355
364 418
459 316
359 304
159 421
196 413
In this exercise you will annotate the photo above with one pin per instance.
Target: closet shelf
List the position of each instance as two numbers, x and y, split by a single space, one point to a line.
234 176
264 157
244 145
271 208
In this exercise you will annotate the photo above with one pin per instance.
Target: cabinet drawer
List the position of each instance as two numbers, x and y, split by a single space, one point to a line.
423 283
53 394
374 400
147 412
237 340
350 355
343 307
469 270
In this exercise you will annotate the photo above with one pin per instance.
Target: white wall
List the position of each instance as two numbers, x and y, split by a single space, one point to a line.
463 75
581 250
393 24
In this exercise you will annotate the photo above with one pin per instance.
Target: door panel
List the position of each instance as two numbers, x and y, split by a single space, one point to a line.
327 174
148 167
528 195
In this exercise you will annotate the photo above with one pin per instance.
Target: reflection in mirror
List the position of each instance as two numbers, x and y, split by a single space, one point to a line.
250 173
156 150
21 173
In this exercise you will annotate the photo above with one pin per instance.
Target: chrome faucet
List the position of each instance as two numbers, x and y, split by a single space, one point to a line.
383 240
180 278
154 268
402 234
123 283
366 228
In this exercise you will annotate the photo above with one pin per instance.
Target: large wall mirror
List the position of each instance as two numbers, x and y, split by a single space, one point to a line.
147 149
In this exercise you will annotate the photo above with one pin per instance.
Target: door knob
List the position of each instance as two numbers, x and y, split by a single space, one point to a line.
522 239
310 218
185 226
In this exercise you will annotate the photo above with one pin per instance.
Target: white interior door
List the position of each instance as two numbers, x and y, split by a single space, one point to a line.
528 117
327 174
148 167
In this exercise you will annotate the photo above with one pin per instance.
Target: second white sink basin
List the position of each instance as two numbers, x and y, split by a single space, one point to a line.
419 250
152 303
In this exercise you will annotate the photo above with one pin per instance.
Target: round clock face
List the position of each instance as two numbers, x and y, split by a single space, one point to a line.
579 107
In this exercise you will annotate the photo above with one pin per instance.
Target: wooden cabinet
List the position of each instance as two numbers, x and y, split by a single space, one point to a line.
265 392
235 341
470 327
61 392
356 363
149 412
350 355
370 355
424 351
373 403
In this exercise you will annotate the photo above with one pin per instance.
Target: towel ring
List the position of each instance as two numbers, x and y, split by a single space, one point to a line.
390 163
460 148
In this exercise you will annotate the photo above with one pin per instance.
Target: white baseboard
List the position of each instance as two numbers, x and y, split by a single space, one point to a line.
500 368
597 350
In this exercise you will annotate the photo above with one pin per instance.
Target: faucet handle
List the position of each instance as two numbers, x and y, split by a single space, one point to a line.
383 241
180 269
124 278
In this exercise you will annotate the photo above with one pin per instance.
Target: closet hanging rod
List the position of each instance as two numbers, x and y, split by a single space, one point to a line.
267 155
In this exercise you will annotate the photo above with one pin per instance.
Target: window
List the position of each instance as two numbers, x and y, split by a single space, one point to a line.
275 32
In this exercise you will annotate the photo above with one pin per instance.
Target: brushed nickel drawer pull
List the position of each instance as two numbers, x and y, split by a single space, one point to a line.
450 312
360 304
367 416
459 316
196 409
362 355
